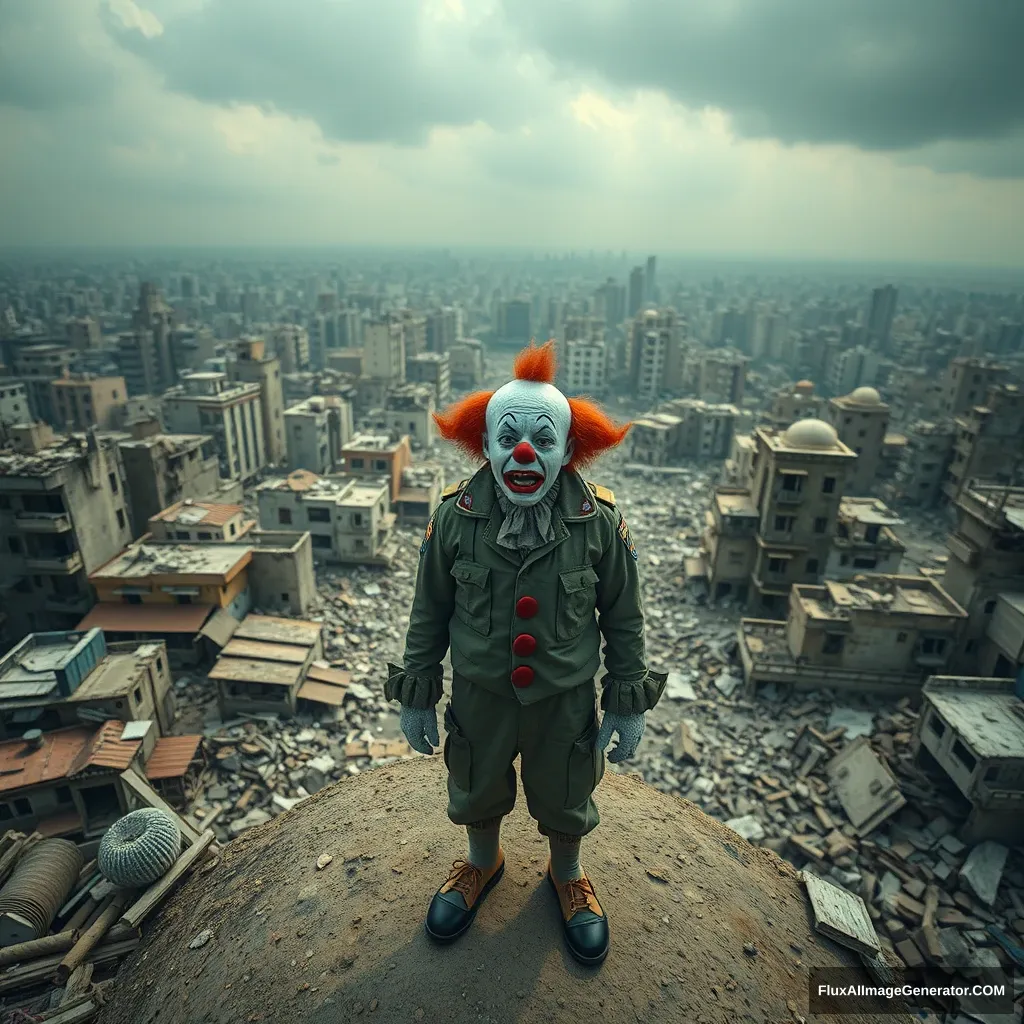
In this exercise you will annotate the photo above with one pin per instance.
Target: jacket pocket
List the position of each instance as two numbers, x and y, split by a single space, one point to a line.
586 768
473 595
458 755
577 601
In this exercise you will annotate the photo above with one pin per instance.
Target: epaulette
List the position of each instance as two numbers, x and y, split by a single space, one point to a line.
452 489
603 494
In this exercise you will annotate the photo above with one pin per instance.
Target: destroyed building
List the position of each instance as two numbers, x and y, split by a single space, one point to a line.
861 420
986 559
276 665
316 430
785 525
921 472
69 783
874 635
468 362
988 441
685 428
794 402
163 469
349 520
188 595
864 540
973 730
966 383
654 353
422 484
379 456
51 680
84 400
721 376
408 410
281 574
63 512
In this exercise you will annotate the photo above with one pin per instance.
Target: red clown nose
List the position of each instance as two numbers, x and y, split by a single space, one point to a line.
523 453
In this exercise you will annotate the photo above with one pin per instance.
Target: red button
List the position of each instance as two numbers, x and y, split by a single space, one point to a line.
522 676
524 645
526 607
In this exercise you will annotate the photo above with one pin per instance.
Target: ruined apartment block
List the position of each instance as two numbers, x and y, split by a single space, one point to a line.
316 430
81 401
861 420
420 494
191 596
468 363
721 376
254 365
988 441
348 519
966 383
973 730
878 635
63 512
654 353
797 481
52 680
864 540
408 409
371 456
919 478
685 428
986 559
164 469
794 402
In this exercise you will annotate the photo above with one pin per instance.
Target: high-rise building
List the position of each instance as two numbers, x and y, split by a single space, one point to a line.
853 368
384 350
515 321
290 343
880 316
650 280
63 513
38 366
722 376
208 403
441 329
85 400
654 353
153 317
253 366
610 302
84 333
637 283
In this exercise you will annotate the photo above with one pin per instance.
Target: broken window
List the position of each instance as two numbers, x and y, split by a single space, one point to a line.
319 515
792 483
901 638
871 533
22 808
990 606
820 524
284 516
933 645
936 724
812 565
991 773
828 485
320 540
865 563
833 643
964 756
777 565
784 523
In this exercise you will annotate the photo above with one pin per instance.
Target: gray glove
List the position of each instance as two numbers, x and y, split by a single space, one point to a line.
420 728
630 729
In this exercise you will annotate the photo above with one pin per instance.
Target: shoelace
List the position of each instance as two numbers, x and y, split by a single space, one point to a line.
465 878
579 891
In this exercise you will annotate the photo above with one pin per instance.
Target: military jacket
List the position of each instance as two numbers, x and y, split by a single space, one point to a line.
531 625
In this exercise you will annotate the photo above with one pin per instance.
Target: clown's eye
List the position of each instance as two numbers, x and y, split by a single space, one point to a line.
506 440
545 442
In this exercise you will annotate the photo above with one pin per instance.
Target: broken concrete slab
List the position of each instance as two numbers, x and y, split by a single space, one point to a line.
983 870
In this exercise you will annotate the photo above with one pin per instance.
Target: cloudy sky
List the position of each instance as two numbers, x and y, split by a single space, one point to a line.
889 129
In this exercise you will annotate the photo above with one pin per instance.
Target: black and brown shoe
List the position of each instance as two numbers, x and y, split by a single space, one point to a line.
584 923
455 904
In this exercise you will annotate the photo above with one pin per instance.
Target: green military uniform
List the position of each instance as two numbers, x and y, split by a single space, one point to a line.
525 647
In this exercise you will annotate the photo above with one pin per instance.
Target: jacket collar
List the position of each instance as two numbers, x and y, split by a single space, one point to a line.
576 502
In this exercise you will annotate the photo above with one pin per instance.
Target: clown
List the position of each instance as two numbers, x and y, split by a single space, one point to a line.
522 569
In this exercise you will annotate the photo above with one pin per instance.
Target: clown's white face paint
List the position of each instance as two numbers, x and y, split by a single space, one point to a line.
527 439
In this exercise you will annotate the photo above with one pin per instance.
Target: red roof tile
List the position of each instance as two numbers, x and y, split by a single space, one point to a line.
171 756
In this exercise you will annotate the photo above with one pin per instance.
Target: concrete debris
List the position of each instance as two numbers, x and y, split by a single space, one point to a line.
983 869
201 939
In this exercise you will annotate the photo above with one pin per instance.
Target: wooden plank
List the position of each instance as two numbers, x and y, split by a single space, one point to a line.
151 798
91 938
22 952
841 915
148 902
42 970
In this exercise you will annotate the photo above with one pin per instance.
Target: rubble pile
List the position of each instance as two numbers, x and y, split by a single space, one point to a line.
62 969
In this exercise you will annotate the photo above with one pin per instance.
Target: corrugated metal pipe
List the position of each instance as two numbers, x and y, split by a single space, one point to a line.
40 885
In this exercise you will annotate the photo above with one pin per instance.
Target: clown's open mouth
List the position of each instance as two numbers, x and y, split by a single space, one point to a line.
523 481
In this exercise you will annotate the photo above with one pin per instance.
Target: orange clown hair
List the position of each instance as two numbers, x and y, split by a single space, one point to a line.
591 431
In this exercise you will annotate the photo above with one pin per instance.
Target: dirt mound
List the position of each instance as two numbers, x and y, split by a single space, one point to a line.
285 941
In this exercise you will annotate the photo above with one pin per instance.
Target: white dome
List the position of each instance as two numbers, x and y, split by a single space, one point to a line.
865 396
811 433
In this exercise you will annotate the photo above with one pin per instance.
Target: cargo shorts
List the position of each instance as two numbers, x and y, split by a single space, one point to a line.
559 765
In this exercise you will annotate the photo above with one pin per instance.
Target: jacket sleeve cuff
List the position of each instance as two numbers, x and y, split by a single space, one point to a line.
412 691
621 698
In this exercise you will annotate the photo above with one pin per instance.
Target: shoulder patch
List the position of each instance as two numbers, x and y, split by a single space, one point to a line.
626 538
429 532
603 494
452 489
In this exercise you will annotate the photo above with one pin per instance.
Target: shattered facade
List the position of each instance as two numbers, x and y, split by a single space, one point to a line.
316 431
861 420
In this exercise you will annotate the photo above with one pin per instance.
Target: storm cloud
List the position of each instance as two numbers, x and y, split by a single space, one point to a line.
875 74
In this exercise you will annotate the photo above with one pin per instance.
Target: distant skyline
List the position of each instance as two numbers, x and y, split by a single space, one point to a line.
847 130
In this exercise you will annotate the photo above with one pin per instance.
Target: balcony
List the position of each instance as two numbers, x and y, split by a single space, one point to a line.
62 565
43 522
788 497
